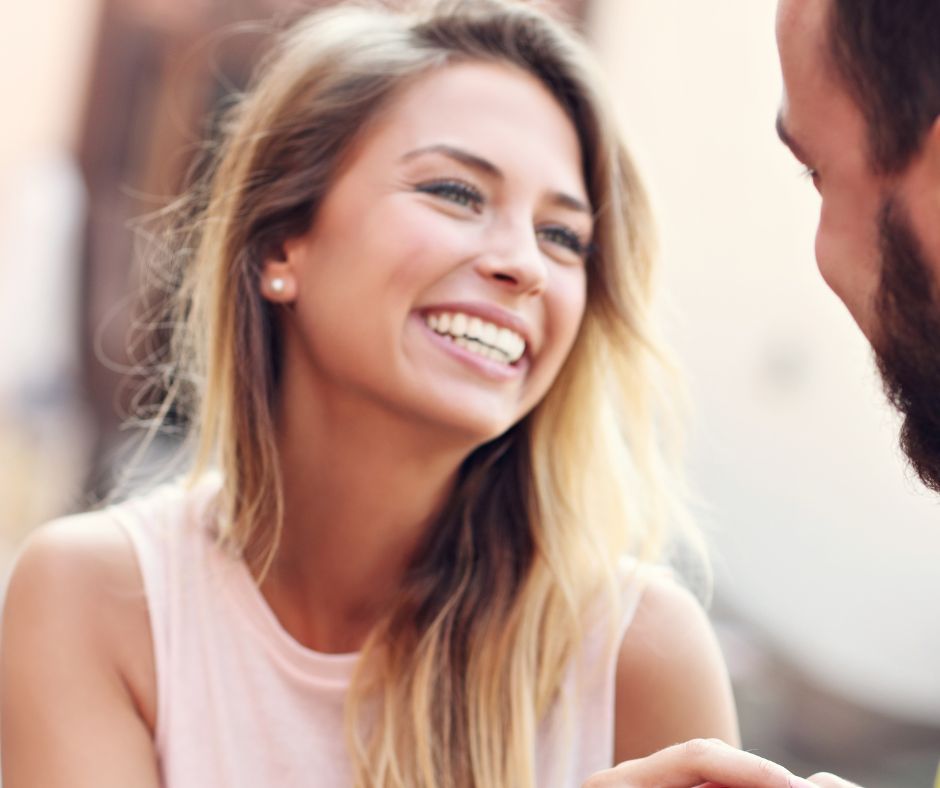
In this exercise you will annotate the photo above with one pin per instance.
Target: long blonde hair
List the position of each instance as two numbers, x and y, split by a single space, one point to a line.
491 609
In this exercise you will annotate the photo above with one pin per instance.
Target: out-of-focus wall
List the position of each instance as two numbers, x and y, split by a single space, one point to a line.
45 53
822 540
46 50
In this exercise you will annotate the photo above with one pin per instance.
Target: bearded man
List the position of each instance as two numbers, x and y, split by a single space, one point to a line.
861 111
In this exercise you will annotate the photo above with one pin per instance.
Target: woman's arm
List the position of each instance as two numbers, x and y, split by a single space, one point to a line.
672 684
76 665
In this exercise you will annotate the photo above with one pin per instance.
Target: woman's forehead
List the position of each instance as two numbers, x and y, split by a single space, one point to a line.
496 111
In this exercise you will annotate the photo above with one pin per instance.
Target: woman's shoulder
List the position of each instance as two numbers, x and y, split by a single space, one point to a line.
76 561
672 684
77 662
76 588
662 601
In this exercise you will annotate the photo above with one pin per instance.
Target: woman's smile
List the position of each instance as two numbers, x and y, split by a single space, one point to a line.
493 351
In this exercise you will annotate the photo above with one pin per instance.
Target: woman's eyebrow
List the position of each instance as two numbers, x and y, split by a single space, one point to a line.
486 167
459 155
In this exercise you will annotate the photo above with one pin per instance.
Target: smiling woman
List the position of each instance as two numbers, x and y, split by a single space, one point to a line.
472 236
412 340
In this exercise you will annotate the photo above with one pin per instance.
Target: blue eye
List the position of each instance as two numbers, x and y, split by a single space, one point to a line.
454 191
565 237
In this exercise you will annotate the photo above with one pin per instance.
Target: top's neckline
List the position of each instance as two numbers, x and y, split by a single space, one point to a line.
253 609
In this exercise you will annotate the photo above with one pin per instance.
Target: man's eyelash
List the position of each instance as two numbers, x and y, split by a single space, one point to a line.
565 237
456 191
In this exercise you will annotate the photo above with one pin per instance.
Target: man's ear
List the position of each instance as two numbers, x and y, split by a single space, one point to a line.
920 182
281 269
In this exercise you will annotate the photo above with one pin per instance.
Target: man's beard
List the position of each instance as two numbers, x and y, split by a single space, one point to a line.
907 346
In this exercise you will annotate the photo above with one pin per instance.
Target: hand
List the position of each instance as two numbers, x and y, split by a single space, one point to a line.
703 763
826 780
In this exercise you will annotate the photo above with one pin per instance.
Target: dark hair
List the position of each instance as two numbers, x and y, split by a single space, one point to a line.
887 53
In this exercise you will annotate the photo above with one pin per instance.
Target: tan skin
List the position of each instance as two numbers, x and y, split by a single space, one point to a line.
78 684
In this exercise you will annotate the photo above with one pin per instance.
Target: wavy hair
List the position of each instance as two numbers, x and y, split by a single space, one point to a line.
492 607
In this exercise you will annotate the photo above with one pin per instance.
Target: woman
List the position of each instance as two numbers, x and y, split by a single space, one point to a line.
413 342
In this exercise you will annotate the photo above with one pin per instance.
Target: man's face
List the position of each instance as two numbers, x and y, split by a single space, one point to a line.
825 130
878 239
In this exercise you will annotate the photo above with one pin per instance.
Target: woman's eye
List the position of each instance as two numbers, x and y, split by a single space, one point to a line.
811 174
565 237
455 191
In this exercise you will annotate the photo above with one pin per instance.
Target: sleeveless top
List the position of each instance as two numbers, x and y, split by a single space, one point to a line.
241 704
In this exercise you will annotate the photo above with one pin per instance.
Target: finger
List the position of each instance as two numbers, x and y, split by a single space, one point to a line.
697 762
827 780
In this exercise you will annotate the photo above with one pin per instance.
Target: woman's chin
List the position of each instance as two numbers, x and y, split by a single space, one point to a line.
473 429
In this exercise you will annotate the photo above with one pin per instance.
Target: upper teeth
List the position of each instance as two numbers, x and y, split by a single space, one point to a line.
496 342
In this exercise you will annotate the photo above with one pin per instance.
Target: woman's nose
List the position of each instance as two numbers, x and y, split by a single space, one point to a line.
515 260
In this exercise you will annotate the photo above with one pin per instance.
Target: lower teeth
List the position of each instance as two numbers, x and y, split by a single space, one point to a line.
478 348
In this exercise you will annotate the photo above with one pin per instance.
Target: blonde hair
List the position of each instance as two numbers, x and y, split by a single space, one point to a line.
492 607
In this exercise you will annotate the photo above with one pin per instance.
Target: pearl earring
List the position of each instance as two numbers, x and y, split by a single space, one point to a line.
277 285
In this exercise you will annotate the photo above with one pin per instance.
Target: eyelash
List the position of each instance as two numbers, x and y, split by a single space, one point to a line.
464 194
457 192
569 239
809 172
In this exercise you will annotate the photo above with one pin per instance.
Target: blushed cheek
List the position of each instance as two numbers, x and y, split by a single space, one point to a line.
426 251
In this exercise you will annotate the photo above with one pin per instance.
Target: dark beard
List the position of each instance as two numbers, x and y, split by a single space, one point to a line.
907 348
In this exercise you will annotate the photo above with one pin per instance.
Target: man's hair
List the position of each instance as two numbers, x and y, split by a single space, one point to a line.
887 52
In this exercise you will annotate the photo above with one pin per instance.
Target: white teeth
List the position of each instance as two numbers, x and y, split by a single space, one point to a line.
490 332
472 333
475 328
507 341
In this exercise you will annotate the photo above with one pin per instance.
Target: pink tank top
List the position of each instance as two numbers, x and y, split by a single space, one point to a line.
241 704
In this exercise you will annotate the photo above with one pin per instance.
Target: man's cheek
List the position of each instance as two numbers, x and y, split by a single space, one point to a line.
827 256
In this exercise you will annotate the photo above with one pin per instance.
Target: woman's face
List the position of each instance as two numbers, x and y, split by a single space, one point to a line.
443 279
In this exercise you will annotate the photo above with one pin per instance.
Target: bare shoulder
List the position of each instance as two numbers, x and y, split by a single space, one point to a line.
672 684
83 566
79 578
76 648
83 547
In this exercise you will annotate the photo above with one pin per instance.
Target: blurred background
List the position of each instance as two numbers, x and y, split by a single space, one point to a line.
826 551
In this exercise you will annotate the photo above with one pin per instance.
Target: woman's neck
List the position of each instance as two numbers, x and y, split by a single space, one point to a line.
359 496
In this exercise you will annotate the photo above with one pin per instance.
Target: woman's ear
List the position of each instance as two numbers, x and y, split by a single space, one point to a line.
279 273
278 283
